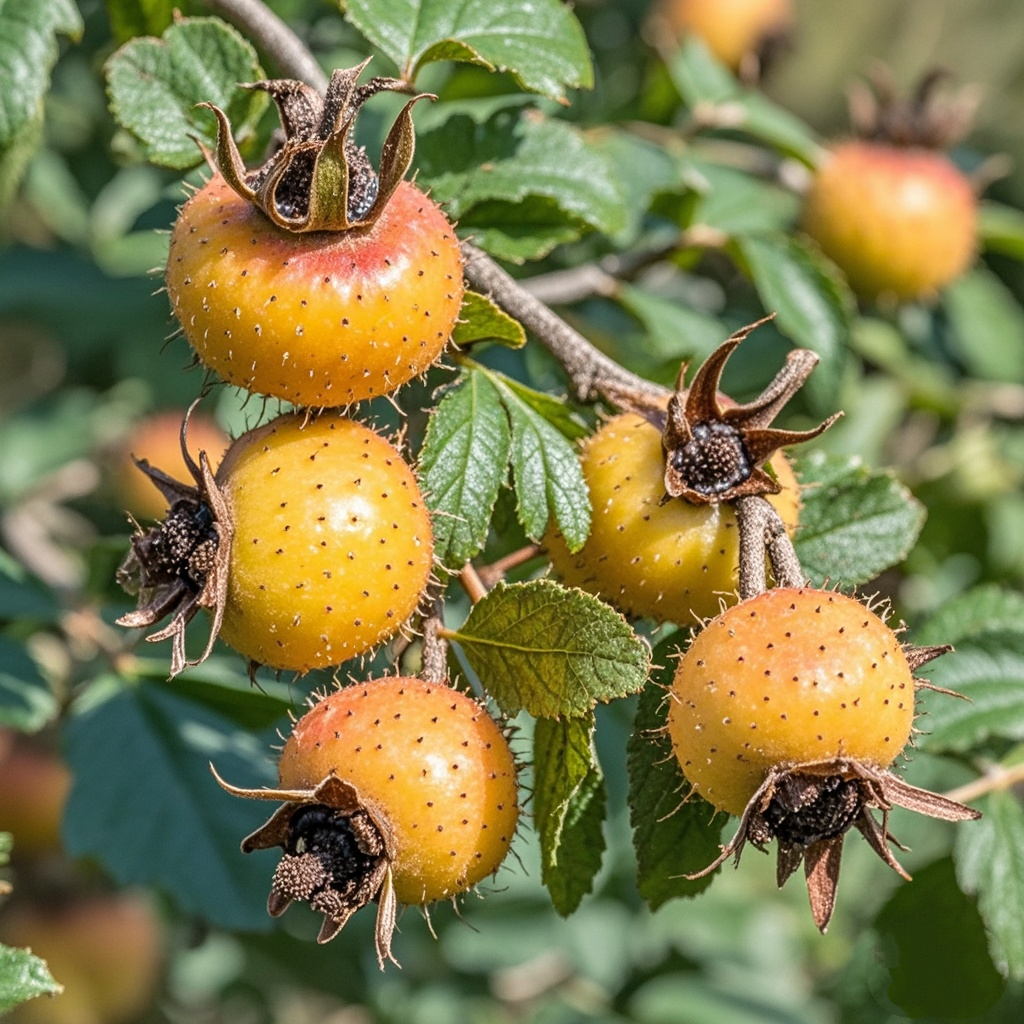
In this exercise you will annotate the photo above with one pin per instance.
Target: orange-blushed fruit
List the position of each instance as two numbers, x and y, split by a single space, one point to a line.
320 318
396 790
33 795
730 29
789 710
790 676
672 561
106 949
899 221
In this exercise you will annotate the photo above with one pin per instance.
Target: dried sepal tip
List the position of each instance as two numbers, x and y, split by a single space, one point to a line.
319 179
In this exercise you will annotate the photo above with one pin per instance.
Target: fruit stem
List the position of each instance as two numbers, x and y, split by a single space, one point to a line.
761 529
435 648
993 781
472 584
491 574
274 37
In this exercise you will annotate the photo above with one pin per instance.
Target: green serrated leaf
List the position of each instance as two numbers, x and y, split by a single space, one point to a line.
989 857
984 609
463 463
154 85
854 523
987 326
540 43
131 18
29 32
568 808
550 650
672 833
933 942
23 976
718 100
481 320
987 669
145 805
520 231
26 701
812 302
547 473
515 156
556 411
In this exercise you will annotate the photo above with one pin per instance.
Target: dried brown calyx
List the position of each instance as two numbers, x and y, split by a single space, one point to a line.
808 808
181 564
319 179
927 119
336 856
716 451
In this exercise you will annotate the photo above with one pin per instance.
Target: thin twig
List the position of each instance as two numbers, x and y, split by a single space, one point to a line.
991 782
761 528
490 574
274 37
435 649
591 373
472 584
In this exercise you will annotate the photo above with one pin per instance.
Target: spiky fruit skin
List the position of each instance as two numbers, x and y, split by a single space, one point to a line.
332 543
787 677
899 222
673 562
730 28
32 797
105 949
158 440
429 763
317 319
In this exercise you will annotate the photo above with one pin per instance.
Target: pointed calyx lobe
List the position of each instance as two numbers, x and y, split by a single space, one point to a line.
319 179
808 809
336 856
181 564
715 450
925 120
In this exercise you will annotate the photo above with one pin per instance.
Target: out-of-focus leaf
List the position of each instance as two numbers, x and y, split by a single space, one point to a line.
481 320
26 701
155 84
568 808
145 805
29 31
984 609
717 99
735 202
987 326
540 43
22 597
131 18
673 833
989 857
812 303
515 156
1001 229
854 523
987 669
933 941
673 331
550 650
547 474
23 976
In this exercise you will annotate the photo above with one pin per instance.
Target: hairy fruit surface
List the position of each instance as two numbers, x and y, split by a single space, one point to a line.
320 319
312 545
396 790
672 561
